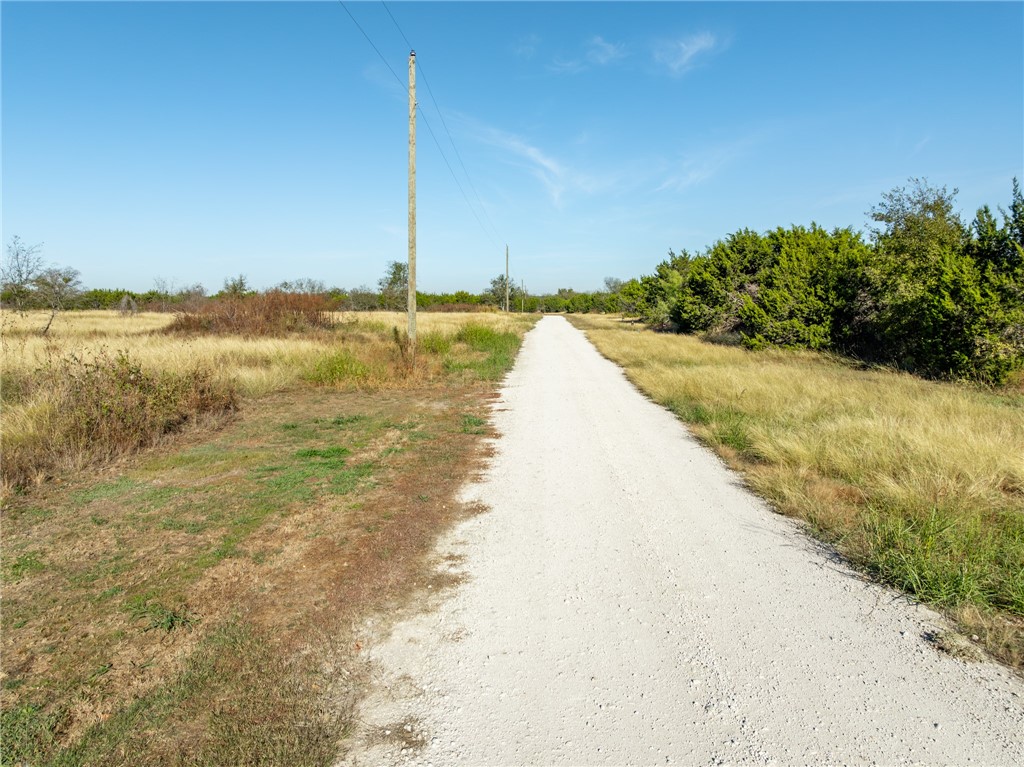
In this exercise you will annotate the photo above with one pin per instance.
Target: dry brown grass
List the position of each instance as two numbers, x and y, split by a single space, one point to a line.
359 351
921 483
204 602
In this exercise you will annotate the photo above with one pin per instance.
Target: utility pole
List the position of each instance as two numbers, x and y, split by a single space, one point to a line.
412 204
506 278
522 296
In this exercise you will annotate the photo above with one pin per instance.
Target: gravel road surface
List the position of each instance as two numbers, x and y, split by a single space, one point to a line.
626 601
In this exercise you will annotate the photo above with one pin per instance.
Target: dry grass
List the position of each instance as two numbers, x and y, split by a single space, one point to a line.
360 351
204 601
254 366
921 483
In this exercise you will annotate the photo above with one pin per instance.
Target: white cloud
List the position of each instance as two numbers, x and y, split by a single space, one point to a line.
694 168
558 179
567 66
601 52
526 46
679 55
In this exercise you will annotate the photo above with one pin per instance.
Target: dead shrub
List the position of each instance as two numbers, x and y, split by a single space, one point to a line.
266 314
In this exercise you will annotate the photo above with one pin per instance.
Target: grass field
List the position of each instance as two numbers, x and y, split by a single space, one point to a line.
202 596
919 483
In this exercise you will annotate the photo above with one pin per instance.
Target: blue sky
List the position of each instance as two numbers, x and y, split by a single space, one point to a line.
195 141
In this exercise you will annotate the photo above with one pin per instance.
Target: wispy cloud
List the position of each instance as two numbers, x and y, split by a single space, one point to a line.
920 145
696 167
550 172
526 46
601 52
557 177
567 66
598 53
680 56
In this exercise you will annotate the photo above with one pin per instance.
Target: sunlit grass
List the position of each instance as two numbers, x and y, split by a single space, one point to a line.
366 351
919 482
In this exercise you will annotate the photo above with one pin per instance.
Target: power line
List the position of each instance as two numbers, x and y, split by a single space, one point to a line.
456 178
399 79
444 123
427 122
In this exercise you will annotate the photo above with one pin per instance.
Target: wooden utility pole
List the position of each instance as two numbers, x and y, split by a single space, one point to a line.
506 278
412 204
522 296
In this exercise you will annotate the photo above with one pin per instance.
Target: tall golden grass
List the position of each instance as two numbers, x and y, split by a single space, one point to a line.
256 365
364 351
921 483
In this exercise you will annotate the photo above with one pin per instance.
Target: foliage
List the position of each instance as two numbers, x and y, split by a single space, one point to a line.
495 294
927 294
394 286
56 288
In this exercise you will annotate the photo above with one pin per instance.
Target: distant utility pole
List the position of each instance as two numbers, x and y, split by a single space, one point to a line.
522 296
412 203
506 278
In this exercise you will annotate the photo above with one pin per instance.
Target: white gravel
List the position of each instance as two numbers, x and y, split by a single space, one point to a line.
628 602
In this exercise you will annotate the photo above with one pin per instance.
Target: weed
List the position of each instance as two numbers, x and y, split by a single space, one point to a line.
435 343
332 454
26 564
340 366
188 526
472 424
157 616
499 347
29 734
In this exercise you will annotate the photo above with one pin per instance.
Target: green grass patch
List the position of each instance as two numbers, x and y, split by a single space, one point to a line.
339 366
25 564
435 343
496 351
472 424
948 557
156 616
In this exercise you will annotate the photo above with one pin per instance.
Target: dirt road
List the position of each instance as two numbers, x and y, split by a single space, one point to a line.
626 601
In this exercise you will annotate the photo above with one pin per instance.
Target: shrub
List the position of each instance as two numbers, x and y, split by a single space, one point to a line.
337 367
86 411
266 314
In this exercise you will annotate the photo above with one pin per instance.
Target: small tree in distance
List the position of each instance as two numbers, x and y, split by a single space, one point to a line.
22 265
394 286
56 288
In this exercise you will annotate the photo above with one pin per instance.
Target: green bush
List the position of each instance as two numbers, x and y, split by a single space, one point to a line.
928 295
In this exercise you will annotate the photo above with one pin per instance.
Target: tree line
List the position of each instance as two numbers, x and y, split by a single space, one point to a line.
924 292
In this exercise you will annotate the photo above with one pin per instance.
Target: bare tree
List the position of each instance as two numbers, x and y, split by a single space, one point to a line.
57 287
20 269
613 284
127 307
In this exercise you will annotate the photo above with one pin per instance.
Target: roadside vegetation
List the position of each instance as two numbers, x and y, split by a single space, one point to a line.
919 483
927 293
202 523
